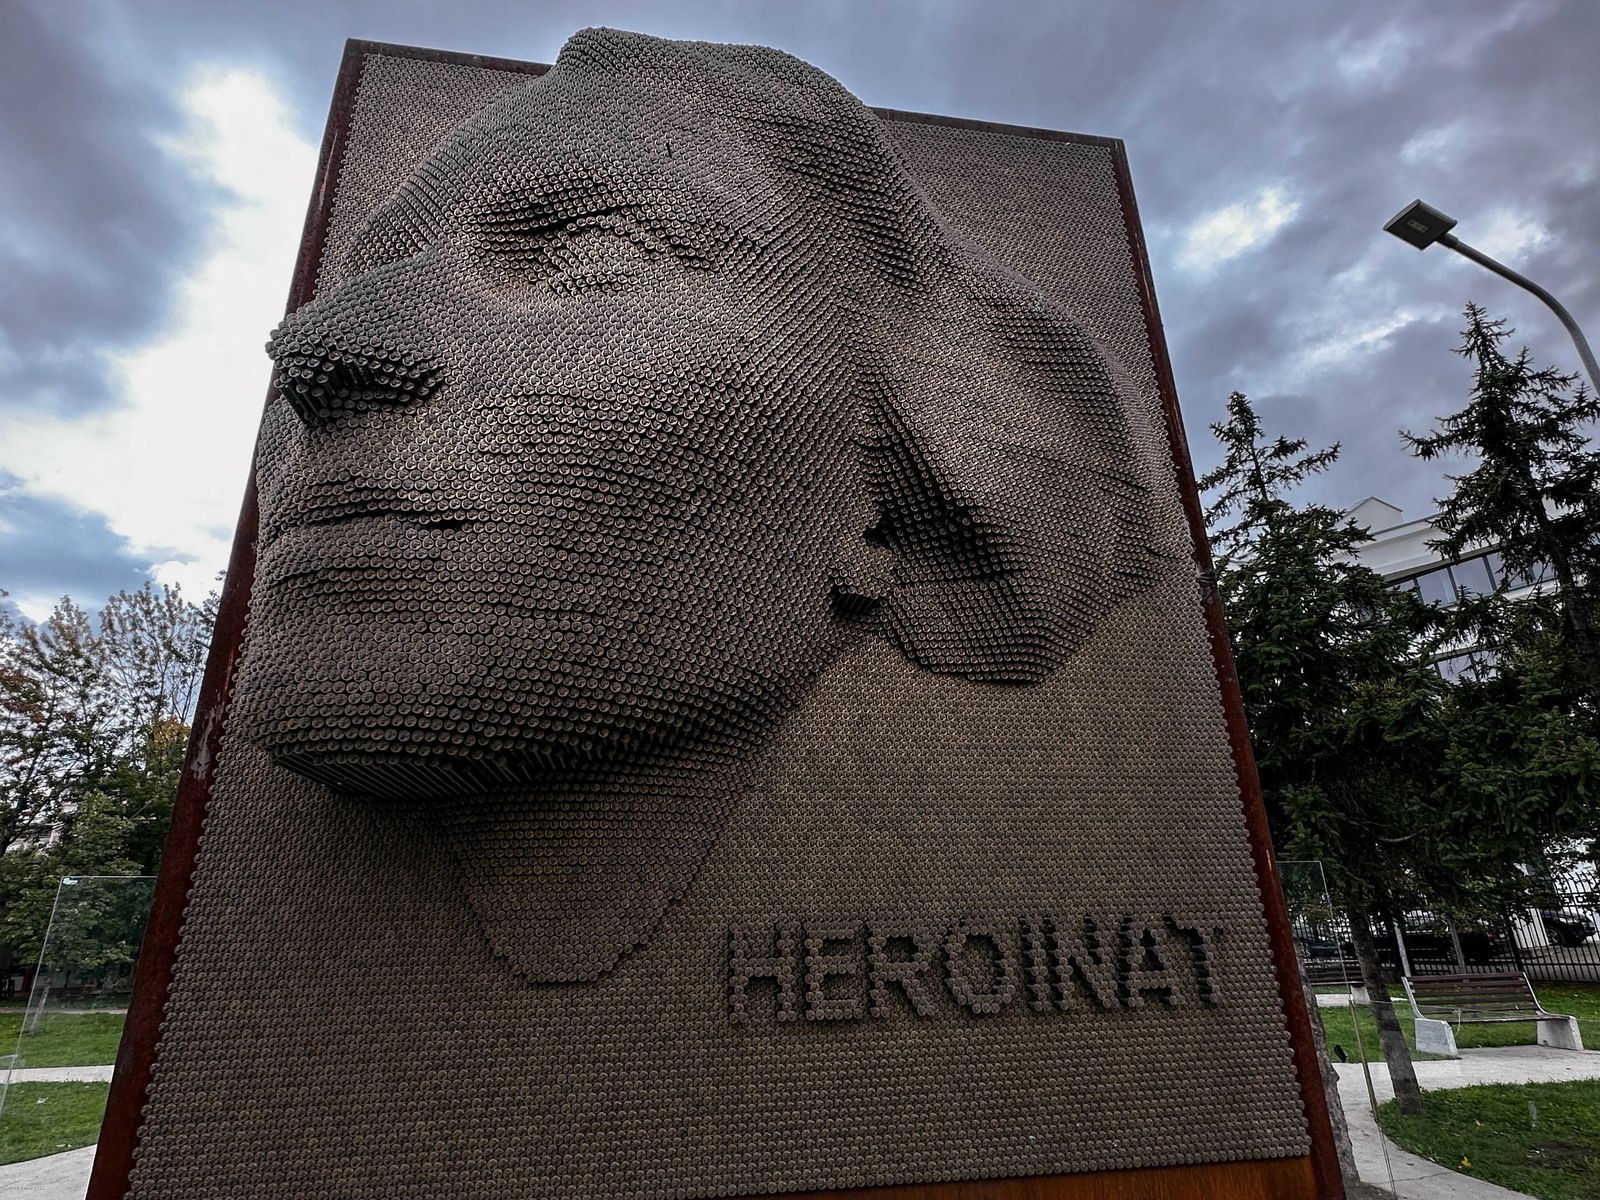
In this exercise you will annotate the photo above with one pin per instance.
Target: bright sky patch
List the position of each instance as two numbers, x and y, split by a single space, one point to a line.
165 463
1229 232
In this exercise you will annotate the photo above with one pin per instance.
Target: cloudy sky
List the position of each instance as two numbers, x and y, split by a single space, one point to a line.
156 159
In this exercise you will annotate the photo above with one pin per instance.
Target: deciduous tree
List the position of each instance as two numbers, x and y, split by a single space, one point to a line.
93 725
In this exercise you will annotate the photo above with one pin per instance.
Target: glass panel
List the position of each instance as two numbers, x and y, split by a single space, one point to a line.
1496 566
1435 587
1338 1006
1537 573
1472 576
53 1086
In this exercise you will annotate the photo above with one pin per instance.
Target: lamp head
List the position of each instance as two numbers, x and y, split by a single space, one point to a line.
1419 224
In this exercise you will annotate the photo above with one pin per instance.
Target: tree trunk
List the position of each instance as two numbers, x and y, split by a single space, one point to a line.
1391 1038
1583 639
1572 600
1330 1081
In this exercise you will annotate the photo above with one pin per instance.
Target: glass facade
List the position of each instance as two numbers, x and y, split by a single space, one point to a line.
1450 583
1479 575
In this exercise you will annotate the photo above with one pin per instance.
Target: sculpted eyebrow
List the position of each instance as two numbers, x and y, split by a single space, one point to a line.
408 223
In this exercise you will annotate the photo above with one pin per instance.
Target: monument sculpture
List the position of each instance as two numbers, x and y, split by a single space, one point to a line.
726 706
653 388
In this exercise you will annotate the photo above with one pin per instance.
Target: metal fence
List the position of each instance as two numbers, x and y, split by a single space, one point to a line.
1558 942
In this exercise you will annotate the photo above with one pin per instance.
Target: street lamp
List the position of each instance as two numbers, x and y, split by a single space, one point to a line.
1421 225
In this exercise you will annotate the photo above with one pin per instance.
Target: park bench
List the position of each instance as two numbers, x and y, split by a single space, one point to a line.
1443 1002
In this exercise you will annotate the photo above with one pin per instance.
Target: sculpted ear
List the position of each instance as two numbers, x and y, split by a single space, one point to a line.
1010 487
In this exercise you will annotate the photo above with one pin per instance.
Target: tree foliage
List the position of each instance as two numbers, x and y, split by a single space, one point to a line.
1410 790
1343 709
1533 492
93 725
1330 662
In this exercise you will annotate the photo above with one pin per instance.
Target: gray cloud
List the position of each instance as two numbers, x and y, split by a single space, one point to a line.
49 551
91 236
1215 101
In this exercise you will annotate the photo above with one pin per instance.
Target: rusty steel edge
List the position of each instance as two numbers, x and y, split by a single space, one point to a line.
1324 1154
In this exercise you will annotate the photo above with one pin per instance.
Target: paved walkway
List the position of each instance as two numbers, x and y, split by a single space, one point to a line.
58 1177
1416 1178
60 1074
1342 999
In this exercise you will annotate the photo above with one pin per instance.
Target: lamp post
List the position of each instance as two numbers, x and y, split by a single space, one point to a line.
1421 225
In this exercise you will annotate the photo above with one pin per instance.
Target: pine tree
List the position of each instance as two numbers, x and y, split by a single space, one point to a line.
1533 493
1408 789
1343 710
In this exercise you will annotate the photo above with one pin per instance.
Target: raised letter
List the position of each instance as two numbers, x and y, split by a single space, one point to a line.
1144 968
1202 943
1036 962
1002 972
1087 964
819 967
746 962
905 973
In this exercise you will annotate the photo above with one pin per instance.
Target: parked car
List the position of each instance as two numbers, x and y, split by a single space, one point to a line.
1315 945
1428 939
1567 926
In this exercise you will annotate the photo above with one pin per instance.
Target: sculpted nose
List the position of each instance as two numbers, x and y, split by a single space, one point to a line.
327 366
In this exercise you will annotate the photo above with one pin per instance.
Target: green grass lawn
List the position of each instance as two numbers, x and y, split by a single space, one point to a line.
47 1118
1538 1138
64 1039
1581 1000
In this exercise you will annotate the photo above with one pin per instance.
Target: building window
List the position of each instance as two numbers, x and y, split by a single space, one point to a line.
1538 573
1472 578
1465 664
1476 576
1435 586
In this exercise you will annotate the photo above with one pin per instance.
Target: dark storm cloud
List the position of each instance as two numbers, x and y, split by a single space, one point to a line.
48 551
1485 108
90 234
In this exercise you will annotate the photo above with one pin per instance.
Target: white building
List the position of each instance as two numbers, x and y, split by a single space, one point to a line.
1399 552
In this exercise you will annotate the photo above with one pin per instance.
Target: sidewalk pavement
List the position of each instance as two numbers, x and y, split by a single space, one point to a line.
1343 998
57 1177
60 1074
1417 1178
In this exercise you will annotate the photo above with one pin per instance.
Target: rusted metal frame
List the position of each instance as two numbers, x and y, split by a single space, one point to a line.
1324 1153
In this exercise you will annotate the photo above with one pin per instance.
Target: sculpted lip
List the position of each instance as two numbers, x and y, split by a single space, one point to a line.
336 502
379 543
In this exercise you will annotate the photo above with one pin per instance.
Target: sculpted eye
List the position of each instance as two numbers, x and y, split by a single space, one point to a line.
569 253
407 225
